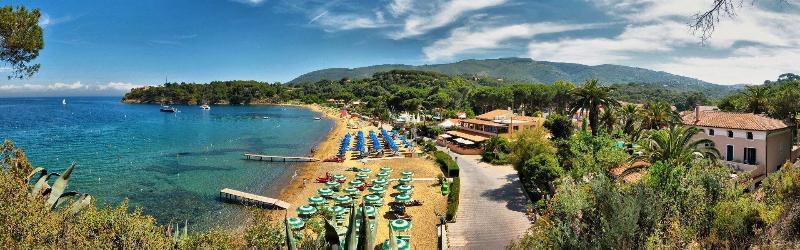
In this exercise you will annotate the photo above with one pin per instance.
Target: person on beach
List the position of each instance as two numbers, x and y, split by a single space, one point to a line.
305 181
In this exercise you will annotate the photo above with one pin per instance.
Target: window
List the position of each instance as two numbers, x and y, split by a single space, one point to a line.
710 132
750 156
730 133
749 135
729 153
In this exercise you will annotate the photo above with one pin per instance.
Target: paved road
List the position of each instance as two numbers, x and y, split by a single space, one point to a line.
492 205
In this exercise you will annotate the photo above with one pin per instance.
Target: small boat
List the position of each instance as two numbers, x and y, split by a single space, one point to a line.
168 109
63 101
317 118
205 107
266 117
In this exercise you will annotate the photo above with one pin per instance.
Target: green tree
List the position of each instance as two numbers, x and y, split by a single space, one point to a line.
562 96
757 99
560 126
591 97
21 40
630 115
658 115
676 145
496 150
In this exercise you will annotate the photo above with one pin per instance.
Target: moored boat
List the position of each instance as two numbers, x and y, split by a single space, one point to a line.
205 107
168 109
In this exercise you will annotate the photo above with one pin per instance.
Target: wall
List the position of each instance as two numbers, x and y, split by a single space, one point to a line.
779 144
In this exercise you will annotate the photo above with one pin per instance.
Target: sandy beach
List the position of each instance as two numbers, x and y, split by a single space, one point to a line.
425 217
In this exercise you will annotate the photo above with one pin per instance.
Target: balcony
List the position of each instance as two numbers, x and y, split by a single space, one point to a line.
740 167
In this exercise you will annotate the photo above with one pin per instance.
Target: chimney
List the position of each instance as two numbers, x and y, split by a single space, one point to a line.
696 114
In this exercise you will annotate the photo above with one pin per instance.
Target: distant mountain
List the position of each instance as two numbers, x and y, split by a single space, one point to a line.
528 70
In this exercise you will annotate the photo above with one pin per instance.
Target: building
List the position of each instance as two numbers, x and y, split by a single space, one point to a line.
470 134
747 142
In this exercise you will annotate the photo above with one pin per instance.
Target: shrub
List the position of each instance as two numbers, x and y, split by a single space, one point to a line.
452 199
448 165
496 150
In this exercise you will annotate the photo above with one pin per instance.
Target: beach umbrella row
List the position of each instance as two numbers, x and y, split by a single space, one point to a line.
376 144
360 146
345 144
405 142
389 140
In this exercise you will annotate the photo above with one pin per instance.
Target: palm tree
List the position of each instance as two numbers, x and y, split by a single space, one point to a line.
676 145
608 118
590 97
757 99
658 115
629 114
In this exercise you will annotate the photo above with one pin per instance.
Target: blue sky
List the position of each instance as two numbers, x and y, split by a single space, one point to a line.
107 47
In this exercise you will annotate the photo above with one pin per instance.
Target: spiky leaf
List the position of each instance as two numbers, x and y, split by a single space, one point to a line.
351 242
289 235
332 236
41 185
35 171
65 197
82 202
58 187
367 234
392 239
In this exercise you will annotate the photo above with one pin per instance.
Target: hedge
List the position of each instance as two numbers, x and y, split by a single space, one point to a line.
452 200
448 165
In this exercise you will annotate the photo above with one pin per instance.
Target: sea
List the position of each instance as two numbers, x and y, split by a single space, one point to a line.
171 165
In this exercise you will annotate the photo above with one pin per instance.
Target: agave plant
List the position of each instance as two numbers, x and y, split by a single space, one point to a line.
55 196
357 238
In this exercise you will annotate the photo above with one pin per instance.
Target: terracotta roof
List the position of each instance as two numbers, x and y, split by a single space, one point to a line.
483 122
472 136
746 121
492 115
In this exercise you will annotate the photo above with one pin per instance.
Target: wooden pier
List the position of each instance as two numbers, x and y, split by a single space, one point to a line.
260 157
252 199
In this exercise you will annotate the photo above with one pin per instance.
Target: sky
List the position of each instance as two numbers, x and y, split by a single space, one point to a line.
107 47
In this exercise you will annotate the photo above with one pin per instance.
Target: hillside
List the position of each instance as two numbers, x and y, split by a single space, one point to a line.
528 70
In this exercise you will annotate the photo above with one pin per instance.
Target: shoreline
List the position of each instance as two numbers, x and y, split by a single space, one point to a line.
327 147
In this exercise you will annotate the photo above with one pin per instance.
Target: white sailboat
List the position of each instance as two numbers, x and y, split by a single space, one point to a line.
63 101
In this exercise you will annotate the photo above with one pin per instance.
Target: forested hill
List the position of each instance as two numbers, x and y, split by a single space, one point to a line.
528 70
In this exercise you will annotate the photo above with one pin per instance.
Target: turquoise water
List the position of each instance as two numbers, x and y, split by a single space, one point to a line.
170 164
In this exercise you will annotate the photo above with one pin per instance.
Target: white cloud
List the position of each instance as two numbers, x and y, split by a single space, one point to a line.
399 7
749 65
336 22
118 86
440 15
662 37
42 87
755 45
251 2
469 39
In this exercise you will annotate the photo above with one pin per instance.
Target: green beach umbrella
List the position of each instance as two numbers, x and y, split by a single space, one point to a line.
380 182
332 184
306 210
373 199
365 170
400 244
339 210
406 189
402 198
325 192
351 191
356 183
383 175
296 223
339 177
371 211
362 176
401 225
405 180
408 174
386 169
316 200
378 190
343 200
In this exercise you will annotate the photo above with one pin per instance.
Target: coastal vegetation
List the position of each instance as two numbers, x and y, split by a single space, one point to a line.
778 99
596 194
22 39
